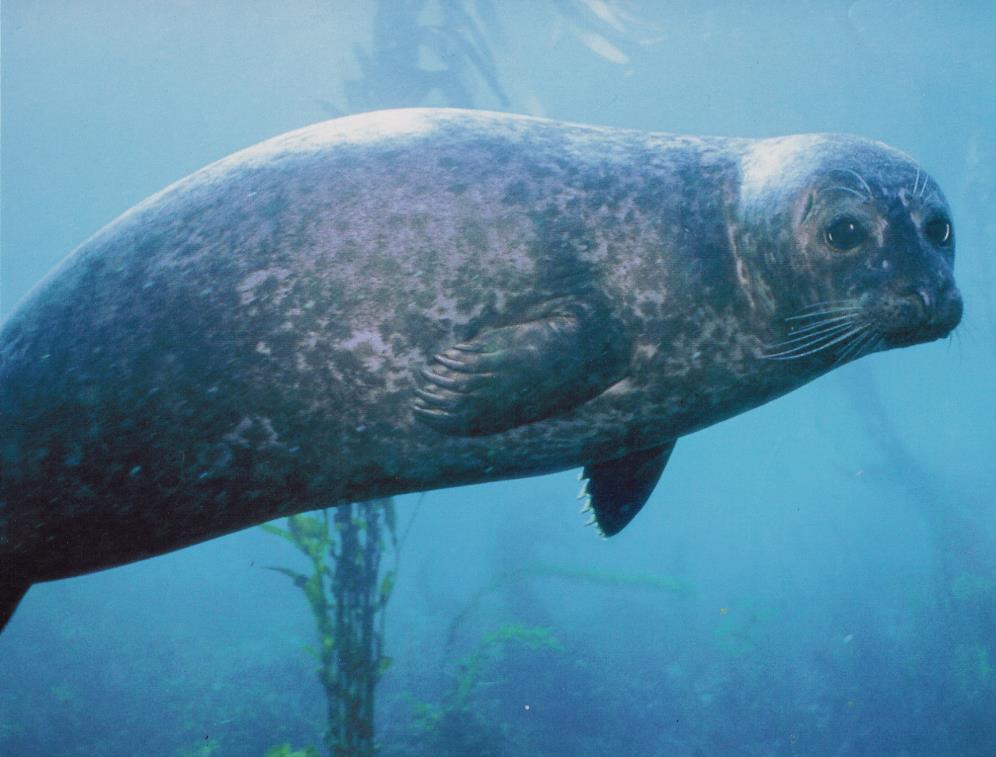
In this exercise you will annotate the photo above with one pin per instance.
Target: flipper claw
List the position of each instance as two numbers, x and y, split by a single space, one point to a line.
619 488
512 375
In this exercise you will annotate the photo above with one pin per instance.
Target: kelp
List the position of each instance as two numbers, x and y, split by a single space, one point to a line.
285 750
578 574
439 52
463 722
421 50
605 27
426 52
348 596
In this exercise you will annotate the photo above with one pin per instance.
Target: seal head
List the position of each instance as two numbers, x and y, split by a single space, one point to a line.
854 244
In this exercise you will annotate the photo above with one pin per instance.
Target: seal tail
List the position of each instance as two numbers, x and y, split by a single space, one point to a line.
12 592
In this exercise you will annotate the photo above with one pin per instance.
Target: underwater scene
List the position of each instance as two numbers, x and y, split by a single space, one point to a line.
290 447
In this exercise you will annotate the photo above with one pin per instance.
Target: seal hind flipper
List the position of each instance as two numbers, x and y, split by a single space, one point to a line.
617 489
11 593
512 375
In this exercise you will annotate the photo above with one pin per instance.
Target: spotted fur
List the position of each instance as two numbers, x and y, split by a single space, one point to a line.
271 334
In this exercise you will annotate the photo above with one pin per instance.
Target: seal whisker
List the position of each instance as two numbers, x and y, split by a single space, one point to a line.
824 322
808 349
829 302
860 178
869 345
955 338
837 327
817 330
880 343
807 341
842 355
854 349
794 354
916 181
848 189
872 346
818 313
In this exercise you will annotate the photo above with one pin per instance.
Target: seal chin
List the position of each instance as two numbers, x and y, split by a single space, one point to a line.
921 316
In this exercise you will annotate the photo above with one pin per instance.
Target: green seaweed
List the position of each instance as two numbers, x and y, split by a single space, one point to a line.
348 594
461 723
586 575
285 750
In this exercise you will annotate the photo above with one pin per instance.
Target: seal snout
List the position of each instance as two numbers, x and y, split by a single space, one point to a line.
947 310
942 306
922 314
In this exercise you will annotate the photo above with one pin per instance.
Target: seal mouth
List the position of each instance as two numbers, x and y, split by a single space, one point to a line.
844 330
928 332
919 317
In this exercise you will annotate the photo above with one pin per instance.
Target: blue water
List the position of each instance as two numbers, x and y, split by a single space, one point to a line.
815 577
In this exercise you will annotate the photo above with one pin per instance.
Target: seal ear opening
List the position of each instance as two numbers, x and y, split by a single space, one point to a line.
11 593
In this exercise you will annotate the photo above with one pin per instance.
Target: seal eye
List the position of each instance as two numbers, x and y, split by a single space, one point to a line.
845 233
938 231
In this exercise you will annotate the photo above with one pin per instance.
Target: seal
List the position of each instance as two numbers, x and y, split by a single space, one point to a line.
415 299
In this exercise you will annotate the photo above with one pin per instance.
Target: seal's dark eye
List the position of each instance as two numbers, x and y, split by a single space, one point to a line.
938 231
845 233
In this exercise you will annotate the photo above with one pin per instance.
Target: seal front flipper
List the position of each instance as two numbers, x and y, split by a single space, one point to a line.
515 374
617 489
11 593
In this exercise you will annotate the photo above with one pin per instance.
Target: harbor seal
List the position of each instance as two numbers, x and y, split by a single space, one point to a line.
407 300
